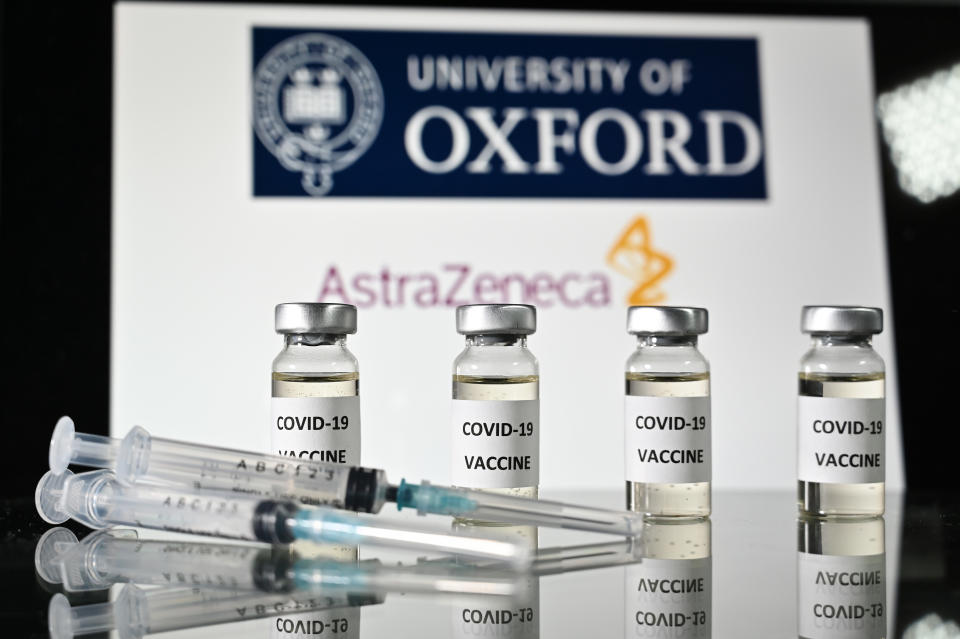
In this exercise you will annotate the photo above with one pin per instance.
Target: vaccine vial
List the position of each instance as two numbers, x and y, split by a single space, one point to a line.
315 402
496 401
840 413
667 413
669 592
841 578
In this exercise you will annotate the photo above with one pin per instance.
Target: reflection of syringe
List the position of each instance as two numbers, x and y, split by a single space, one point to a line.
137 612
117 556
562 559
521 616
98 500
142 458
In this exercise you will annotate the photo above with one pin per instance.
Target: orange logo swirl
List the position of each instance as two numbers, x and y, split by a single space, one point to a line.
633 256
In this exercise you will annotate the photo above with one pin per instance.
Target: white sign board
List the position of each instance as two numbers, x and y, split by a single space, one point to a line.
577 161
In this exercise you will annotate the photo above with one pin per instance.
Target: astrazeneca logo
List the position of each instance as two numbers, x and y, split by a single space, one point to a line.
633 255
317 106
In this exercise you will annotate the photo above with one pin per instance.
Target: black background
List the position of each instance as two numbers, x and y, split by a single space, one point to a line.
55 142
55 137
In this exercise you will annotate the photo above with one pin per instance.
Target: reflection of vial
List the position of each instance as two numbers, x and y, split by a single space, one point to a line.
515 616
303 623
316 403
667 413
668 594
840 413
496 401
841 578
339 622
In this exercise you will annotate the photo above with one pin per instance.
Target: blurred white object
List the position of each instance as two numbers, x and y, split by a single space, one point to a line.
932 627
921 123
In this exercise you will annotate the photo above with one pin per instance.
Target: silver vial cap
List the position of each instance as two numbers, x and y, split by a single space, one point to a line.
666 320
315 317
841 320
496 319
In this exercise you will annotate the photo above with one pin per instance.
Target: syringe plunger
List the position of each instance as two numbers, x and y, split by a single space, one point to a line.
67 446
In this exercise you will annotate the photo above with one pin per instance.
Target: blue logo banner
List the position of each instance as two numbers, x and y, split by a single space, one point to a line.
351 113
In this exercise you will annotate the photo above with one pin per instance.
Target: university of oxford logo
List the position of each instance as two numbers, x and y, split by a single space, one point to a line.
317 106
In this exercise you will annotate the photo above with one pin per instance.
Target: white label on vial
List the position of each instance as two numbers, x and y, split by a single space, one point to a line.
668 598
841 596
667 439
840 440
320 429
496 443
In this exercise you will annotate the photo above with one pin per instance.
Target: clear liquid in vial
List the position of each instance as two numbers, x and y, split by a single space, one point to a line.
498 389
857 500
321 385
669 500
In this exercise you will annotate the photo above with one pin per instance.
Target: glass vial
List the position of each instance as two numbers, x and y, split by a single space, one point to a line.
841 413
841 578
315 401
496 401
669 592
667 413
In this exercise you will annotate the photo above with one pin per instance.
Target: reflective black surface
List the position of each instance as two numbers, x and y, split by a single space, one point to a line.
753 570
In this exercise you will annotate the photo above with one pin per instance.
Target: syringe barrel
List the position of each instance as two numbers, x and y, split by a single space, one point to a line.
324 525
98 500
154 459
169 509
142 458
488 506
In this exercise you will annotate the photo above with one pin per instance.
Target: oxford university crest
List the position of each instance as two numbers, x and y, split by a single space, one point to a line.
317 106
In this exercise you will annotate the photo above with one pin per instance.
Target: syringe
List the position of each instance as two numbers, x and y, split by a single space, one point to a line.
135 612
140 457
114 556
96 499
